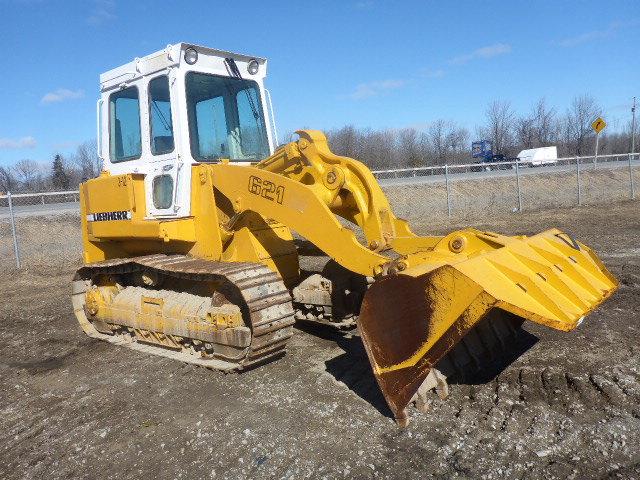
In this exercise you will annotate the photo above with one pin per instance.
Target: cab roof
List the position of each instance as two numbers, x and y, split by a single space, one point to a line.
169 56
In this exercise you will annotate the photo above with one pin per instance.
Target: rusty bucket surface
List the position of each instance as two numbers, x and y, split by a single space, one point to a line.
409 322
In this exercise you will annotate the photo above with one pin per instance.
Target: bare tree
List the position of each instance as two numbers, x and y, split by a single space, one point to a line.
28 173
525 133
379 149
544 124
538 128
458 138
447 141
87 160
444 142
499 126
7 180
438 139
617 142
409 147
345 140
577 131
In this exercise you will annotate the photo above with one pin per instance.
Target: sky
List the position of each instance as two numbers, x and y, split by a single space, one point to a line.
368 63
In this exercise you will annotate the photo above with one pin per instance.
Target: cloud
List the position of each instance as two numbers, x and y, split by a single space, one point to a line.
65 145
103 11
60 95
583 38
372 89
482 53
13 144
364 4
426 73
597 34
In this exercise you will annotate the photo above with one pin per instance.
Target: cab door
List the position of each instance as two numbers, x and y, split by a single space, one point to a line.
164 167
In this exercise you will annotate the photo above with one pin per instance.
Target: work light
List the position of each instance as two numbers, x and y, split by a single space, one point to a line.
190 55
252 67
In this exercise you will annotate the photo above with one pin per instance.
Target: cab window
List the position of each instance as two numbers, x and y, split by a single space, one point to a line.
124 125
162 191
210 133
161 125
253 142
225 118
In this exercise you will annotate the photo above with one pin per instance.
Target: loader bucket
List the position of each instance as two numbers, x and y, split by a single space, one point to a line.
411 321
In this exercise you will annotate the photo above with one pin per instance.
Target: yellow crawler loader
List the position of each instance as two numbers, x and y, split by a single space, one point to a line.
189 251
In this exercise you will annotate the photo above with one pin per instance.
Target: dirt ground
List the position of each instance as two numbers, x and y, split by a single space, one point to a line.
73 407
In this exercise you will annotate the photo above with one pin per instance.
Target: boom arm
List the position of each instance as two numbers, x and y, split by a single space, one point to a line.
297 206
348 188
305 186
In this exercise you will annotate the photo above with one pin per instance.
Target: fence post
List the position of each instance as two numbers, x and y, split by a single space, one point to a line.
633 144
446 179
42 198
633 193
16 251
518 184
578 178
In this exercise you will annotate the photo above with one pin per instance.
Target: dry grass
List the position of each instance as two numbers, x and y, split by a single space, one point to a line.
45 243
472 199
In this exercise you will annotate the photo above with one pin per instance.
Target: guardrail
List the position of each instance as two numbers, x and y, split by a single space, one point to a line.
42 195
453 169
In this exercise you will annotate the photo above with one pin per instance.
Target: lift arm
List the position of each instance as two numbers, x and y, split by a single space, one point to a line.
298 207
348 188
305 186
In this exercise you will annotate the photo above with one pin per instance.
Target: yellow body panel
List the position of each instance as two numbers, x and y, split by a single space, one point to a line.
203 234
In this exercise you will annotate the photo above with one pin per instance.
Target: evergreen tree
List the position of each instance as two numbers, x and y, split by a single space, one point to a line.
59 177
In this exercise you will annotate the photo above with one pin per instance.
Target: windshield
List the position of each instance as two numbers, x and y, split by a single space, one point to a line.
225 118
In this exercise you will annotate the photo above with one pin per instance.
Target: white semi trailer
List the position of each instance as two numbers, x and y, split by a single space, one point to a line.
538 156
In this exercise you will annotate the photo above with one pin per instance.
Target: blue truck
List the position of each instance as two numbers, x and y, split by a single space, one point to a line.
483 151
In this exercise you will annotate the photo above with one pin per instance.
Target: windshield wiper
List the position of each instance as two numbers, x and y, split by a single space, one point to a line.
167 123
234 71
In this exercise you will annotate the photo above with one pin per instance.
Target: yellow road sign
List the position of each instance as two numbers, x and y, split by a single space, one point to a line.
599 124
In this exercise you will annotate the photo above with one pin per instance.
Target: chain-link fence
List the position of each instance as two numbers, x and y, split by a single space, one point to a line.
38 229
42 229
606 161
484 189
